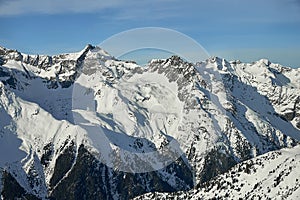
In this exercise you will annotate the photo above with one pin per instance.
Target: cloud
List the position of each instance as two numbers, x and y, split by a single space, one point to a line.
19 7
218 11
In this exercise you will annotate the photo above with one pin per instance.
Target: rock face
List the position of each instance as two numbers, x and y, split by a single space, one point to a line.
215 119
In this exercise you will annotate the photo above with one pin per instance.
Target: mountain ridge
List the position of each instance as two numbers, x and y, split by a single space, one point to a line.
220 113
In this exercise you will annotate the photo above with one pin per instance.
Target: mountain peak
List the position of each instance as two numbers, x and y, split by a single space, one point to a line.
264 61
170 101
89 46
96 50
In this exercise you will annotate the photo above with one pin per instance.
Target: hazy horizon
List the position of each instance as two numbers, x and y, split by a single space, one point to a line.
247 31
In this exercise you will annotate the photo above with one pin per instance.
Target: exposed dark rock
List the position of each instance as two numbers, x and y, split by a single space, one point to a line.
298 124
3 73
12 82
63 164
47 154
12 189
90 179
66 84
289 116
216 162
1 61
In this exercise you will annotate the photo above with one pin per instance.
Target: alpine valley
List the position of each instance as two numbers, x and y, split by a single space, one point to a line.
89 126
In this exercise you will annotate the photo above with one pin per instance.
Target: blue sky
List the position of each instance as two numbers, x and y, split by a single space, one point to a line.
233 29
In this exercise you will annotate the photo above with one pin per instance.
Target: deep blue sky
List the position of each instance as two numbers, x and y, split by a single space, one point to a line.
233 29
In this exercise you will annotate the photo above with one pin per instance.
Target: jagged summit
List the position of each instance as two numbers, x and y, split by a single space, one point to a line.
66 116
96 49
264 61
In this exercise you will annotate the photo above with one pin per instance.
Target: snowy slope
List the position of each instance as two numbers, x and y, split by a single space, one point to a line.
274 175
168 126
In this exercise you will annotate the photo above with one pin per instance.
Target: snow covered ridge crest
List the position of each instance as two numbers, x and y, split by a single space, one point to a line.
216 113
274 175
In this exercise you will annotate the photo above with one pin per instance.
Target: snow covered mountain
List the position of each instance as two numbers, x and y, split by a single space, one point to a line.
88 126
274 175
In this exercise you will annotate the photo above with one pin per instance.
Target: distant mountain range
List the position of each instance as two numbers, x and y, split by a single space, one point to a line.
89 126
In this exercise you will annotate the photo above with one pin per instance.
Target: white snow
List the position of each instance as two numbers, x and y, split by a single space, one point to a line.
120 108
